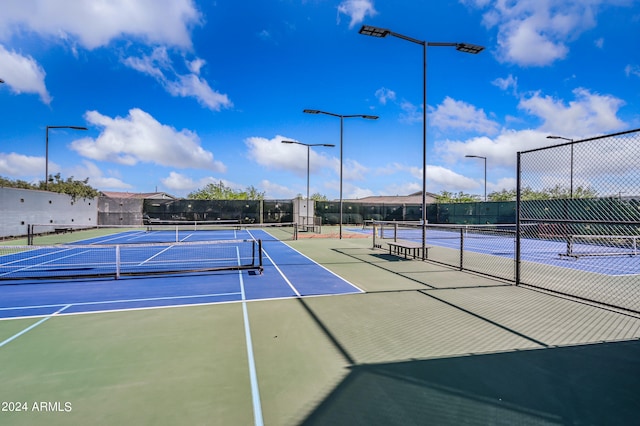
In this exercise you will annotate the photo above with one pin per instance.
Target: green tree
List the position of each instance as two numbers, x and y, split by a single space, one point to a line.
220 191
504 195
70 186
556 192
75 188
460 197
319 197
21 184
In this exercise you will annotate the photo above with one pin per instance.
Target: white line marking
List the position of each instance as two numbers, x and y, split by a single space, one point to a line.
253 376
44 263
185 305
31 327
284 277
107 302
157 254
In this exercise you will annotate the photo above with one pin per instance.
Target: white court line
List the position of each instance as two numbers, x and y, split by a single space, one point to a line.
31 327
157 254
255 392
44 263
311 260
107 302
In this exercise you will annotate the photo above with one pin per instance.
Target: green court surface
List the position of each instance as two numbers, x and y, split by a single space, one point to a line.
424 344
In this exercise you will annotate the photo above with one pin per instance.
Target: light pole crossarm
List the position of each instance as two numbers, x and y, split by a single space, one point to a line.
341 117
317 111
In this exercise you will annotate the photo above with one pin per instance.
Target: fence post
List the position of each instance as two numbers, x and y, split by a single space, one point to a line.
518 229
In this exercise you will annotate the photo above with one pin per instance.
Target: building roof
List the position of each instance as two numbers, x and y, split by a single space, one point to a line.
415 198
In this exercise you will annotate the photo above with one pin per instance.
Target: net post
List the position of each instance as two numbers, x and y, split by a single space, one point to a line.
375 231
461 248
29 234
260 255
117 262
569 245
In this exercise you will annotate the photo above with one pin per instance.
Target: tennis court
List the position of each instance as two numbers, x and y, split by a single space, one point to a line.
331 332
220 266
577 252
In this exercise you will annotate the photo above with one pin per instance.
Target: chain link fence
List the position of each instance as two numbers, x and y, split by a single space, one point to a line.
578 219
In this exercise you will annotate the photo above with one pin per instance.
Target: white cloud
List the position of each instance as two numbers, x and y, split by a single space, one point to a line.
410 113
265 35
24 166
277 191
140 138
22 74
452 114
182 183
357 10
97 179
355 192
437 177
351 170
510 82
588 115
95 24
538 33
630 70
159 65
445 178
500 150
383 95
525 43
273 154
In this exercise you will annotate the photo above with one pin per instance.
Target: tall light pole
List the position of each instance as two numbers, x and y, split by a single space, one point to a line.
342 117
485 172
571 167
46 160
309 145
462 47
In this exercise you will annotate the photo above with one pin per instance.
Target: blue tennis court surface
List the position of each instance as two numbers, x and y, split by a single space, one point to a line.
546 252
287 273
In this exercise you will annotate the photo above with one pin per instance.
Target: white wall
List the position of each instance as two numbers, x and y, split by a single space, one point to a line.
22 207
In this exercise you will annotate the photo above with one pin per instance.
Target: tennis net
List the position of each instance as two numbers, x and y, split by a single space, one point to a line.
161 232
412 231
70 261
602 245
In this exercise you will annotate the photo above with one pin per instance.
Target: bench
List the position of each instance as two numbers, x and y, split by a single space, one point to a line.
406 249
62 230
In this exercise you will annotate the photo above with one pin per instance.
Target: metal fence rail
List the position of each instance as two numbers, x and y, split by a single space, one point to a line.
582 240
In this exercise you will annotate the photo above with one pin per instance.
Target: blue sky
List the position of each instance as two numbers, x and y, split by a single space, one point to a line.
178 93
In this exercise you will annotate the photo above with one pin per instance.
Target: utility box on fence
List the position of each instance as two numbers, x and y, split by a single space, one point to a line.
303 215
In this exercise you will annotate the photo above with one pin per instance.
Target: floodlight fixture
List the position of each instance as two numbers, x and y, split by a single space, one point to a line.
559 137
341 117
374 31
469 48
462 47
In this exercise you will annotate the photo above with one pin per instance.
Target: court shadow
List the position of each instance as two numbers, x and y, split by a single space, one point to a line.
591 384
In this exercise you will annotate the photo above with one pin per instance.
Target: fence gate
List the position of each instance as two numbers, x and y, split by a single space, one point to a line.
578 219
